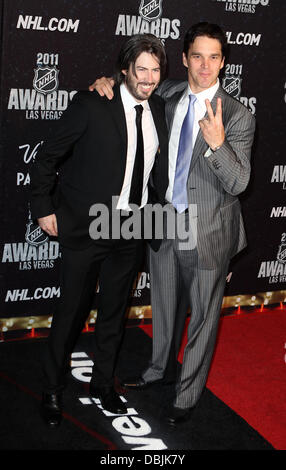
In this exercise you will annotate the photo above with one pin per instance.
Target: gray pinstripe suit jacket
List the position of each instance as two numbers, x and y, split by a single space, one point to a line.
215 182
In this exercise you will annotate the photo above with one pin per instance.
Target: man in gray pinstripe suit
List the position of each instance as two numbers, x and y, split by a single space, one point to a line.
217 171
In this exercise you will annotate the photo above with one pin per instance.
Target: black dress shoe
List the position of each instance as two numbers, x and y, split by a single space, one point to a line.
52 409
109 399
178 415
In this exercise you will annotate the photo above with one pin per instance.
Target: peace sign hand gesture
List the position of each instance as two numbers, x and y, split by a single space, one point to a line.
212 126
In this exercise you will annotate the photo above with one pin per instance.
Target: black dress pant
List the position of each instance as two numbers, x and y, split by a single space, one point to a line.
114 264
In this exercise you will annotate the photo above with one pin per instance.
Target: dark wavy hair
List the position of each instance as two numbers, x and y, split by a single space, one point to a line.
132 49
210 30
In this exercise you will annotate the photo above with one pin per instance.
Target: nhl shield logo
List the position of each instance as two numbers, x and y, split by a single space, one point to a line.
232 85
281 255
150 9
35 235
46 79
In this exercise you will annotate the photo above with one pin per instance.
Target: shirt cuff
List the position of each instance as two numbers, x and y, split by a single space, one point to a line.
208 153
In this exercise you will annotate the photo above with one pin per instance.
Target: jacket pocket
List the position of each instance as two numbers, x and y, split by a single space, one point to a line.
230 219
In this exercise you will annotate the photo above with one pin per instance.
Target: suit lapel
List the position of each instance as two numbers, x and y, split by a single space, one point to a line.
171 106
117 111
159 119
200 144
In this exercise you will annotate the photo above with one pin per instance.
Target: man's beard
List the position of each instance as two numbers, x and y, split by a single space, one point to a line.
133 88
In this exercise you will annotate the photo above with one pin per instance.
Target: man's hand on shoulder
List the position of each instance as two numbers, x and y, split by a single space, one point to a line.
49 224
103 86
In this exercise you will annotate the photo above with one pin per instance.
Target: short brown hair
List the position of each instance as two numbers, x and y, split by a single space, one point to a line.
210 30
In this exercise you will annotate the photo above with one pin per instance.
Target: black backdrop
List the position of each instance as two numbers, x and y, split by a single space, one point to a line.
52 49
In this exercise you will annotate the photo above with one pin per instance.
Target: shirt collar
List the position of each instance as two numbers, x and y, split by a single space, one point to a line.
128 100
206 94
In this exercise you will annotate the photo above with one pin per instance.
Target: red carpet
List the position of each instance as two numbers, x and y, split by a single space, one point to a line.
248 370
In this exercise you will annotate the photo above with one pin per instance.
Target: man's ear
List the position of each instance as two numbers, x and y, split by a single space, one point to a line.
185 62
222 63
124 72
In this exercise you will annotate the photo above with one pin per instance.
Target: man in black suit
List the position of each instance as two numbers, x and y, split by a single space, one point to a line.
210 139
100 150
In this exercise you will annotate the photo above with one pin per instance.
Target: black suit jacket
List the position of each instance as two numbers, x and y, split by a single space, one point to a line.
88 151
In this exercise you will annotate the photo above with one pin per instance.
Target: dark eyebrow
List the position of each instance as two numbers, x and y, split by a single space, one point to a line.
145 68
199 53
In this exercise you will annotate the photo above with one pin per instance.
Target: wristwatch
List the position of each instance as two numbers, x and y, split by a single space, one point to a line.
216 148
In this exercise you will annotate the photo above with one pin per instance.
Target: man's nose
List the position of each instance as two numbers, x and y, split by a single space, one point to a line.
149 76
205 63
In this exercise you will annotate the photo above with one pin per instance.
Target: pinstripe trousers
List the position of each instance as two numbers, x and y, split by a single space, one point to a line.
178 281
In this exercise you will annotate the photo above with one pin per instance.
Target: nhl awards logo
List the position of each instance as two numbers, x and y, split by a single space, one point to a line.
150 10
44 100
242 6
34 234
148 20
232 85
275 270
46 79
281 255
